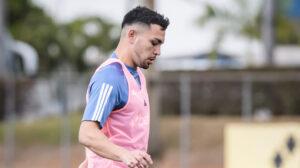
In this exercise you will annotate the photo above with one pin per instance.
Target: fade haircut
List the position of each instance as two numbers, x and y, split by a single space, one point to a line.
145 16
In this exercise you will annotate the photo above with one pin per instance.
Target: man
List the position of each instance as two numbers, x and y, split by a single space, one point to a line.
115 124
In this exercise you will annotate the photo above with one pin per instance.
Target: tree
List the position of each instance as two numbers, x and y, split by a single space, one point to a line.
242 21
248 24
73 39
56 43
286 26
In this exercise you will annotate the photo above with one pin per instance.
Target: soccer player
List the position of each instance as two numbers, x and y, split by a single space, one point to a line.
115 123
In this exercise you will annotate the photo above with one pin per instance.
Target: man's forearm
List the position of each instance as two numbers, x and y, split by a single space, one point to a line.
91 136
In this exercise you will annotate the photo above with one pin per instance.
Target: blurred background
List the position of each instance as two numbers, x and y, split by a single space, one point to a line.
224 92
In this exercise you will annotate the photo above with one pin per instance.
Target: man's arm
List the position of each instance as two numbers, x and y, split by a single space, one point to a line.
92 137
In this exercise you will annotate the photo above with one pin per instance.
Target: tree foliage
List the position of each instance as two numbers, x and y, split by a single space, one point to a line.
54 42
286 28
249 25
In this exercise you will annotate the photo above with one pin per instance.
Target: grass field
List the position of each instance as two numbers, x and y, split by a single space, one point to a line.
42 132
38 143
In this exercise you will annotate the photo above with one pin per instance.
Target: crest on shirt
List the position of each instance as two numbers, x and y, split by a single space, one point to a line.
145 104
133 93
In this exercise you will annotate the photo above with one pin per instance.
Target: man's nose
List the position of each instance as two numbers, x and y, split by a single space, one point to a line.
157 51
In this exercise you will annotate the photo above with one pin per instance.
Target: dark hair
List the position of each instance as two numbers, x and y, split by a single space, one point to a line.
146 16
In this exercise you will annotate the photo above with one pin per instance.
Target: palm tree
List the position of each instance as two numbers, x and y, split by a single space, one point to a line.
247 21
244 21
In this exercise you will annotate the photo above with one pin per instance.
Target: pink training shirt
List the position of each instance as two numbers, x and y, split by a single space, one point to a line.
127 127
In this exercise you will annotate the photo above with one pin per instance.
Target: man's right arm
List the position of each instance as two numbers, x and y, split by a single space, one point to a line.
92 137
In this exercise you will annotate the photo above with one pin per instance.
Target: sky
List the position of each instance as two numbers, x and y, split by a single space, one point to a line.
183 36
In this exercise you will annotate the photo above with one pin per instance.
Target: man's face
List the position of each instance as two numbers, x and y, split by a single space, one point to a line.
147 46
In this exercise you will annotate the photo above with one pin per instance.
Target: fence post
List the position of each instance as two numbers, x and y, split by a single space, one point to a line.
10 117
185 110
62 93
155 107
247 99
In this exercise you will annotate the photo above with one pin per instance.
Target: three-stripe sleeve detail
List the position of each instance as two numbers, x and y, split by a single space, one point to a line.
102 101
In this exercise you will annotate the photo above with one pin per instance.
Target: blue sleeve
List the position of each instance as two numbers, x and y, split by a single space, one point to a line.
104 94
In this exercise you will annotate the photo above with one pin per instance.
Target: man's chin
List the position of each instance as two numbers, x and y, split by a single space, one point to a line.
145 66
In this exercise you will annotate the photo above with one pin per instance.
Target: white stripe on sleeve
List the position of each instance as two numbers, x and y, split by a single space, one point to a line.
101 102
102 108
106 90
98 101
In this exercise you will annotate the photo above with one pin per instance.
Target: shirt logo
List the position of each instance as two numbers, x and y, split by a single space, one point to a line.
134 93
145 104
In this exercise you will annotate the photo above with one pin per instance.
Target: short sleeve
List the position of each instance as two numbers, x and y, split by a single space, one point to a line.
103 94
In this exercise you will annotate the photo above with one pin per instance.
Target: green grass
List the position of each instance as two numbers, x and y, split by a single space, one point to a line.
43 132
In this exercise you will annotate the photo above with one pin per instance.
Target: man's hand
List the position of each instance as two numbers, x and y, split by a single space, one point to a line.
136 158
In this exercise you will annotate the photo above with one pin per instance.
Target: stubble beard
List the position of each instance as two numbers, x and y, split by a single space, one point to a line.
145 65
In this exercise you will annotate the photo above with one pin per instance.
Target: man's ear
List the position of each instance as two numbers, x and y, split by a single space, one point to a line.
132 35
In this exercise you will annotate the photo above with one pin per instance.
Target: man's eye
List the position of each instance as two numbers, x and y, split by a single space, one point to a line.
154 43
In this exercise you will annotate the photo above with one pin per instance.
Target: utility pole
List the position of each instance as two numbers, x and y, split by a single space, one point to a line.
155 101
149 4
132 3
268 30
2 55
7 72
